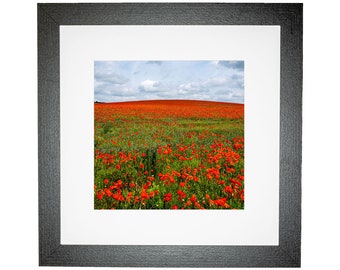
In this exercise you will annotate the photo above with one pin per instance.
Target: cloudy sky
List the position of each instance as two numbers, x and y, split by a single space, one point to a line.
147 80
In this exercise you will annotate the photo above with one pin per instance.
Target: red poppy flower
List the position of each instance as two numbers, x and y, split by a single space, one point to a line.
144 195
193 198
100 195
181 194
228 189
167 197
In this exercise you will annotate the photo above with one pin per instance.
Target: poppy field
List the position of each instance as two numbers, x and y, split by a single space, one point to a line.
168 154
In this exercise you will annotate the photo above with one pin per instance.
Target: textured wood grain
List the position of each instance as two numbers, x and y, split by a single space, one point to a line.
49 135
288 16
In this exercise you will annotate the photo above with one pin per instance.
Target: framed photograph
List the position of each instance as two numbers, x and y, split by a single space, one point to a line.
170 134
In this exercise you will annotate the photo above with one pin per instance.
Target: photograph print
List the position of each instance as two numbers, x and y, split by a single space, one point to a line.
169 135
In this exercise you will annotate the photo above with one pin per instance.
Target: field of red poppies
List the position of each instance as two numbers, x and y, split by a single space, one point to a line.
169 154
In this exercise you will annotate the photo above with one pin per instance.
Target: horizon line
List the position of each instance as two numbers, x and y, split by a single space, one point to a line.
141 100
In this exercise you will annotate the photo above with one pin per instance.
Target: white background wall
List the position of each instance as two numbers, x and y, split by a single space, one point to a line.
19 184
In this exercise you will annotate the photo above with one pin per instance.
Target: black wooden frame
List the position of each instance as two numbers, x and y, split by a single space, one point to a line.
288 16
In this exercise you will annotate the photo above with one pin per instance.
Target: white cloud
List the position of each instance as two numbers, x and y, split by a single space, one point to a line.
111 77
207 86
108 92
237 65
190 87
214 63
215 82
150 86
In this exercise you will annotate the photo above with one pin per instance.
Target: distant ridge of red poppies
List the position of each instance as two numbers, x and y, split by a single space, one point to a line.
173 108
173 102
